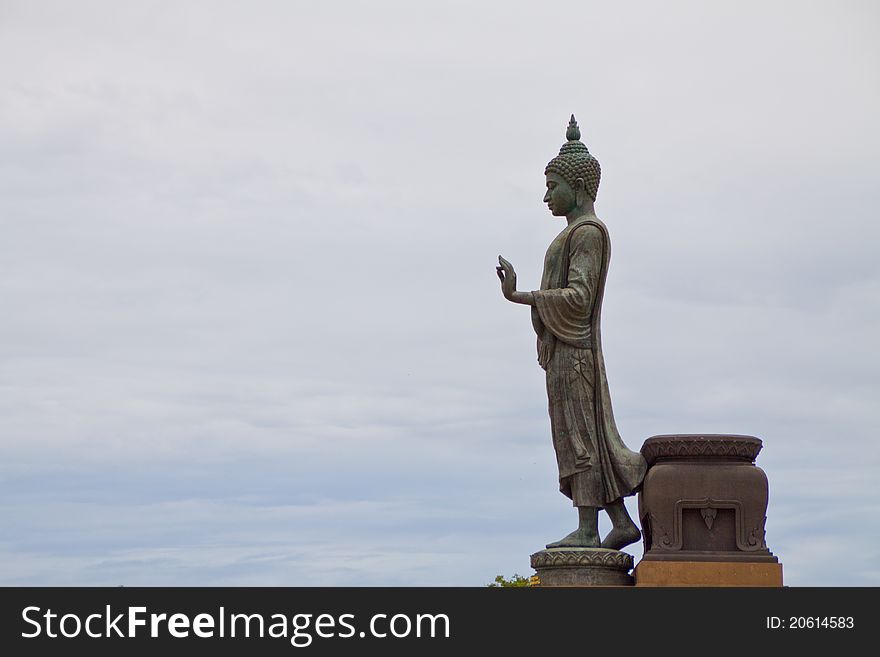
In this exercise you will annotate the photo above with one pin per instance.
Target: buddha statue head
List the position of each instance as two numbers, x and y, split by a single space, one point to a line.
572 176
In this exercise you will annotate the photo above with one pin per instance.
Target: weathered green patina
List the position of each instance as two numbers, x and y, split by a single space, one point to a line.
596 469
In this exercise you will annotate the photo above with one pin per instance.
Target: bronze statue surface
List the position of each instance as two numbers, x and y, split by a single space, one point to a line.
596 469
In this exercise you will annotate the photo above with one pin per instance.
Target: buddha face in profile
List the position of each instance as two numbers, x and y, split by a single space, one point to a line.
572 177
560 197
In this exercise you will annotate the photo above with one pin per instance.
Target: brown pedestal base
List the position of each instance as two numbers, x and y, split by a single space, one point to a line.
708 573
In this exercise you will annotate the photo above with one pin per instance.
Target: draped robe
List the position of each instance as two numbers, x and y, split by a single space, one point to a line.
595 466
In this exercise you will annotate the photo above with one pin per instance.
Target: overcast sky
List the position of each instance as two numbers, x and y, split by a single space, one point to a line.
252 332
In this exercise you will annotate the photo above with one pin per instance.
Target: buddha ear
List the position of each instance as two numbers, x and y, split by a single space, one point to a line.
580 190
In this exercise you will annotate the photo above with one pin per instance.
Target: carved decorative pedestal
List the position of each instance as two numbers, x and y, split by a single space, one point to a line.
582 567
703 507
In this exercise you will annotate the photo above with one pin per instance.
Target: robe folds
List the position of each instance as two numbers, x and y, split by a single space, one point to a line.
595 466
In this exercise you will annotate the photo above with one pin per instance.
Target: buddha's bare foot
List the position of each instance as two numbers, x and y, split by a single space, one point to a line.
578 538
621 537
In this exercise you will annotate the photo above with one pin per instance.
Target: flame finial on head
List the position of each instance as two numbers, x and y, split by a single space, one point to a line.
573 133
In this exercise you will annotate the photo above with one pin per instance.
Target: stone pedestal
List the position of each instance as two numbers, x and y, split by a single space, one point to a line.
703 508
708 573
582 567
